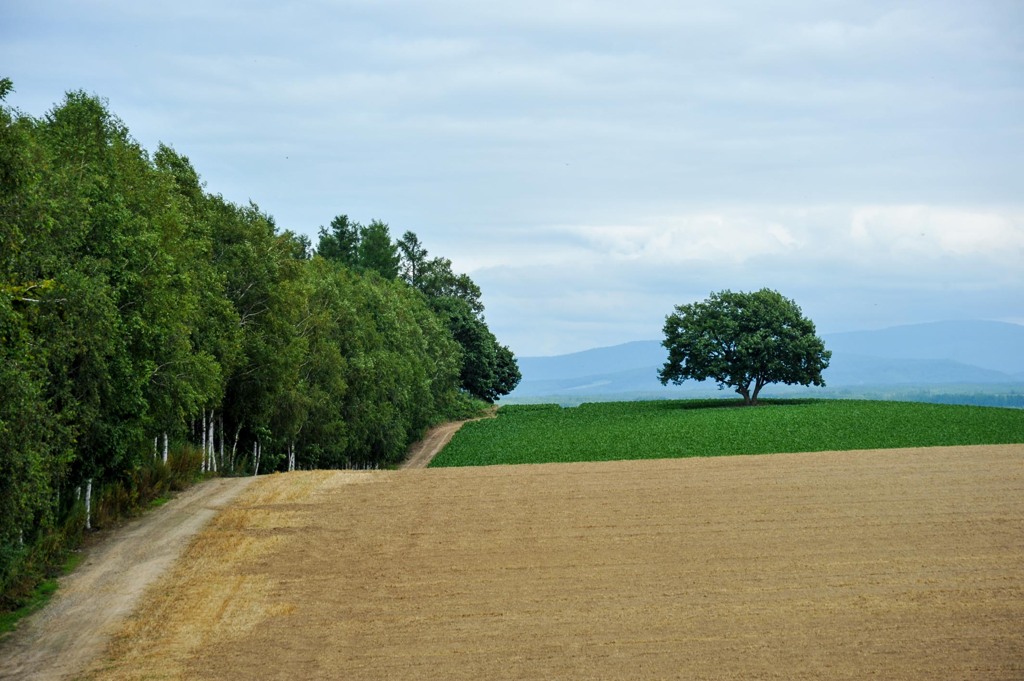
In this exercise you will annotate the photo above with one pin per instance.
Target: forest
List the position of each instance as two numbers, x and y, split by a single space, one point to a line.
146 323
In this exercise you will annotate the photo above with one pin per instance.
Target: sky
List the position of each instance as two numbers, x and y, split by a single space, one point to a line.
593 163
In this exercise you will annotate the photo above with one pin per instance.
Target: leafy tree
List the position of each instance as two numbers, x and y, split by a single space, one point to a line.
135 305
438 281
192 384
506 372
104 214
263 283
489 370
377 252
341 243
414 259
744 341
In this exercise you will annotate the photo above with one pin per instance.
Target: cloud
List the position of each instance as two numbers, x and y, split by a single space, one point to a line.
848 266
906 232
592 163
714 237
900 234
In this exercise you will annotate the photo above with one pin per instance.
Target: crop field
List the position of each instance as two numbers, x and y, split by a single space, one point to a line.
672 429
893 564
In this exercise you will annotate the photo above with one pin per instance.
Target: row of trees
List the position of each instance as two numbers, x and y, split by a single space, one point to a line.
489 369
139 312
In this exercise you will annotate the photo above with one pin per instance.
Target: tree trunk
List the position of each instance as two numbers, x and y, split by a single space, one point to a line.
213 459
165 446
757 389
234 446
88 504
203 442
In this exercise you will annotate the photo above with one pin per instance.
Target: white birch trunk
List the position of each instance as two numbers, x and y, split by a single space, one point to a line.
255 458
291 457
234 445
203 442
88 504
156 442
165 447
213 459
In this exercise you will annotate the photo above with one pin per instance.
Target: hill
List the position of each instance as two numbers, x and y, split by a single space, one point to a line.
996 346
962 357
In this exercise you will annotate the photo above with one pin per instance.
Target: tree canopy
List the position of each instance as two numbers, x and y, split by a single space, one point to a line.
140 312
488 369
744 341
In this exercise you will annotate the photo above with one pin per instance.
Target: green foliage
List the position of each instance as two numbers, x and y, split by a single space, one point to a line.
671 429
39 597
376 251
363 248
341 243
744 341
413 258
136 309
488 369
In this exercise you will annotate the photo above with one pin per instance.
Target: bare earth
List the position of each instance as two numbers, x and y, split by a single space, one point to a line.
898 564
423 452
92 603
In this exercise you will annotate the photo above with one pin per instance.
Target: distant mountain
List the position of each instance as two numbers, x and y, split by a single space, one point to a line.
990 345
634 355
848 369
916 356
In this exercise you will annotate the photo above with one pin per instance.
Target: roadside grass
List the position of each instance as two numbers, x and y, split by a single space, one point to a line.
40 596
28 573
690 428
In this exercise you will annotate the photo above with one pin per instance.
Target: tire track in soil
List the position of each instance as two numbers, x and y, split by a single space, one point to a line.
73 629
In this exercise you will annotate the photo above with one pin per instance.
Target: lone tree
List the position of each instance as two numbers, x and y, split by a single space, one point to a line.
744 341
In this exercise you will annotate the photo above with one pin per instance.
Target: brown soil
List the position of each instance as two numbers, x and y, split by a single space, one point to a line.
891 564
423 452
91 604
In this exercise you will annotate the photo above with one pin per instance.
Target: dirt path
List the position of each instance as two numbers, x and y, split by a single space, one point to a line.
424 451
63 638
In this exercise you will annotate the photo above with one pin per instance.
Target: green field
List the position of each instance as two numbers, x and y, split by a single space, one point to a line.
669 429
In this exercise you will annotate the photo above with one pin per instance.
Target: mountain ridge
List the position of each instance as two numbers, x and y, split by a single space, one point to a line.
914 355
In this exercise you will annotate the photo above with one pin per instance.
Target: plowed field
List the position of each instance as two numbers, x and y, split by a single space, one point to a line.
887 564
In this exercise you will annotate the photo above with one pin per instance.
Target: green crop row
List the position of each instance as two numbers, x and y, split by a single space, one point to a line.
671 429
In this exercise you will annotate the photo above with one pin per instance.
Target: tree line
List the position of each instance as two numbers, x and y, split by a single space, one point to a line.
141 314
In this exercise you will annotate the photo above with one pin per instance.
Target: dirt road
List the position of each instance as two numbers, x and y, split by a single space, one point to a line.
423 452
62 639
896 564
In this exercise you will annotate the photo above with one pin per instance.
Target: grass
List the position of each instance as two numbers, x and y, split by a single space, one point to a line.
27 573
688 428
40 595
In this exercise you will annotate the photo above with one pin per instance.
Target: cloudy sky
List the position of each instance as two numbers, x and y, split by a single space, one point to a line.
593 163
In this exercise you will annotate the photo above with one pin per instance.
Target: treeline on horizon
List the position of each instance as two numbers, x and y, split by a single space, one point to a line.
143 317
